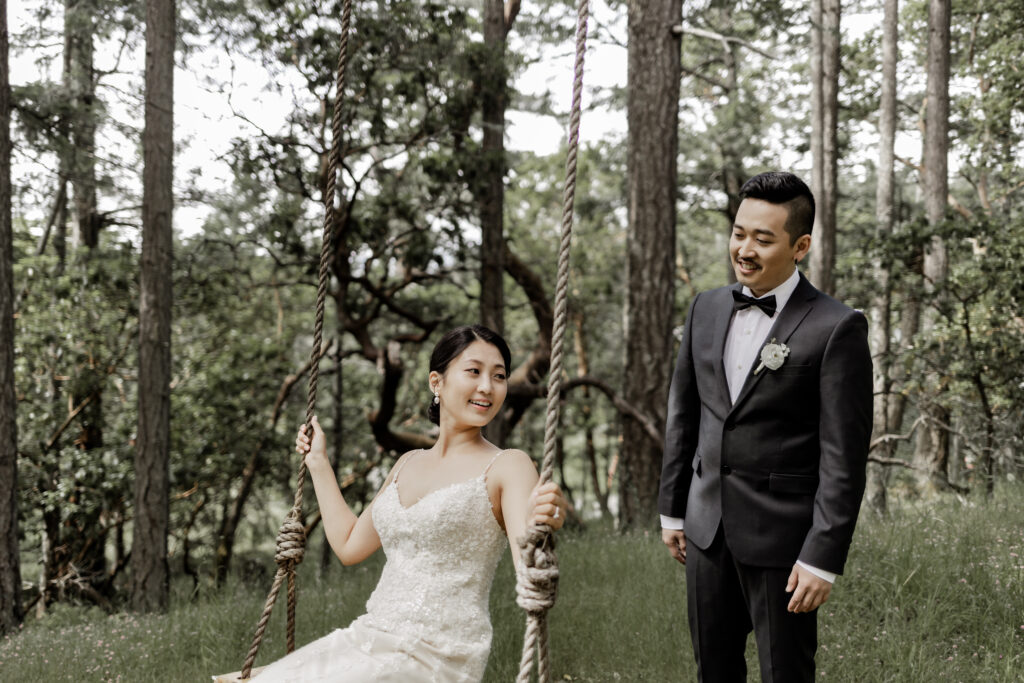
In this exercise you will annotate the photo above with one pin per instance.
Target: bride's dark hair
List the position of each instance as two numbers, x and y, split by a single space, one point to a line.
455 342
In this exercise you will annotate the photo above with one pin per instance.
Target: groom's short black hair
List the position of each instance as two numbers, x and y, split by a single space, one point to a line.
779 187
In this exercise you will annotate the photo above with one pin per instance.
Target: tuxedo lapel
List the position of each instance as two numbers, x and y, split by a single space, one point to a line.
723 316
799 305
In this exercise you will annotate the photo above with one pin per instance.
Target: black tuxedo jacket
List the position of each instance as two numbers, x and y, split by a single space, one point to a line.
783 469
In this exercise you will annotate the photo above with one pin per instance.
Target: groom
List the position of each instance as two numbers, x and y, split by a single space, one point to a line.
769 418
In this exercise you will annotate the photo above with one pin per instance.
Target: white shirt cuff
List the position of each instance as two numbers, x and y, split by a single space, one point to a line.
820 573
674 523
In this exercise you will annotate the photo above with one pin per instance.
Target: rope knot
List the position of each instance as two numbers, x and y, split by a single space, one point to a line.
537 579
291 540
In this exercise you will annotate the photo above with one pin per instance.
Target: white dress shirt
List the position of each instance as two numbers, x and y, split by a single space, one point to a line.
748 332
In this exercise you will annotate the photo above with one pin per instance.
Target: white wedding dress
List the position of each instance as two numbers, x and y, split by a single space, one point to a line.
427 620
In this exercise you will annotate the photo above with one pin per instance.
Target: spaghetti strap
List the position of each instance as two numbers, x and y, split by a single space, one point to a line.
412 454
488 468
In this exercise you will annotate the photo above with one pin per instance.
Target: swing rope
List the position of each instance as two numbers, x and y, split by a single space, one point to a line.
537 581
291 539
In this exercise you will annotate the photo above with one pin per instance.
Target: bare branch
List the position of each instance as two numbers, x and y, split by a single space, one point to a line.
950 199
707 79
290 381
895 462
533 368
889 438
650 428
67 422
535 390
392 369
58 201
711 35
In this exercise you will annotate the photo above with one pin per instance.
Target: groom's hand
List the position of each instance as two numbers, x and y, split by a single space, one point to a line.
675 539
809 591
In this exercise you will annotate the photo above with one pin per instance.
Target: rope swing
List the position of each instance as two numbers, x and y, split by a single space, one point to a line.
537 581
291 539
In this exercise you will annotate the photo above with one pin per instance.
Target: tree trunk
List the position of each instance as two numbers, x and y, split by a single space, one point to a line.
491 192
653 116
48 559
935 160
734 172
79 79
881 307
932 452
817 136
149 541
493 94
65 161
563 481
824 127
583 369
10 568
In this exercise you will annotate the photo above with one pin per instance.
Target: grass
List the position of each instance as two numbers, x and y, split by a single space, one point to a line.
930 594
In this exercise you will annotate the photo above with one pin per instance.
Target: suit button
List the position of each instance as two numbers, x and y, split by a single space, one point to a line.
726 469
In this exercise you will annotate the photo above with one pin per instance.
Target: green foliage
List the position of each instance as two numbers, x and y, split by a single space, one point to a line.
404 252
742 107
977 342
75 341
232 347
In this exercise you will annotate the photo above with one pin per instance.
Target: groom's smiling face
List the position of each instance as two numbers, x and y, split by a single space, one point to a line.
762 251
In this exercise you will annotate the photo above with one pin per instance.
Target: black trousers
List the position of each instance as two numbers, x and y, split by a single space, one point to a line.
726 600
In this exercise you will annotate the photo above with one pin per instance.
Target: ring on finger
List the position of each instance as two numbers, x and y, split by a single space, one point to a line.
557 511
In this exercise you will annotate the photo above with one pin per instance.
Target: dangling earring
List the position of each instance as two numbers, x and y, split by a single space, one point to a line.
437 399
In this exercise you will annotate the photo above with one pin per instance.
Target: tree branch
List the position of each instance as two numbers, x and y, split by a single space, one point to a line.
534 391
707 79
67 422
950 199
58 201
888 438
232 517
680 29
391 367
535 367
511 12
895 462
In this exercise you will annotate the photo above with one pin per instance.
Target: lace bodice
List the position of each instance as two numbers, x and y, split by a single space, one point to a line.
427 620
442 552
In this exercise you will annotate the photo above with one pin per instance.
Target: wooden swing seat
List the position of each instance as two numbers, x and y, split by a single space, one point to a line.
236 676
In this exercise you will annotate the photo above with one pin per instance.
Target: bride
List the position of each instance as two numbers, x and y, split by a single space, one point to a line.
442 517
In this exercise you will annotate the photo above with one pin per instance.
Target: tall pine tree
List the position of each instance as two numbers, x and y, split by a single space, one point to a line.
149 542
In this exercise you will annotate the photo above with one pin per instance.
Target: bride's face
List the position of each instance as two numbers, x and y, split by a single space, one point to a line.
473 386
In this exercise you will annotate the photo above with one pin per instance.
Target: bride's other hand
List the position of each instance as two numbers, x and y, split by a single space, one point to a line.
547 506
315 451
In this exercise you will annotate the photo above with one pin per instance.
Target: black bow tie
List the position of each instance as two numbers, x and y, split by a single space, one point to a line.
741 301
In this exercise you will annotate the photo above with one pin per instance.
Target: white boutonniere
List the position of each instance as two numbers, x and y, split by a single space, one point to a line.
773 355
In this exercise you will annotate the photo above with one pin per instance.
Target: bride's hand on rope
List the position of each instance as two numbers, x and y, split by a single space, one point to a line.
547 505
315 452
352 538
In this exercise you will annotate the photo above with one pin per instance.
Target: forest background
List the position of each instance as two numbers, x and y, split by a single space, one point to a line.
906 118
